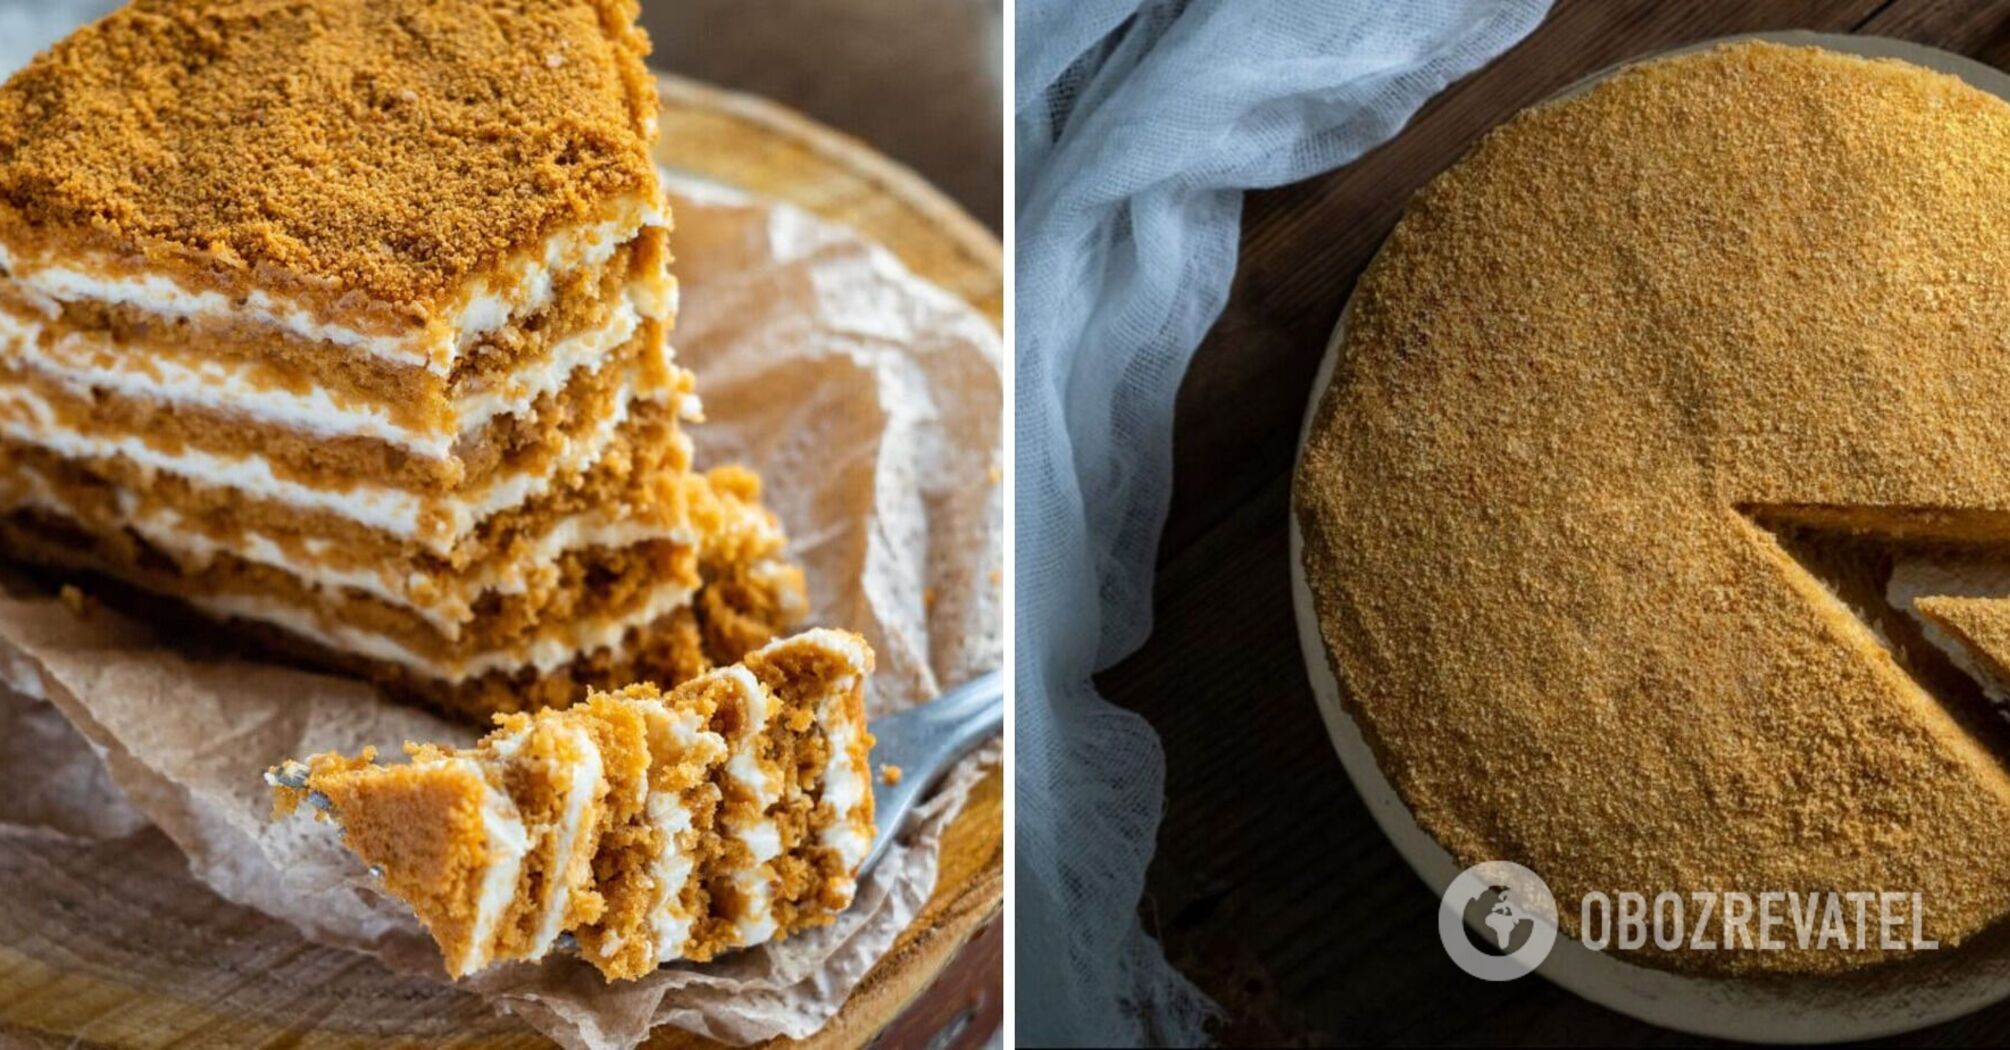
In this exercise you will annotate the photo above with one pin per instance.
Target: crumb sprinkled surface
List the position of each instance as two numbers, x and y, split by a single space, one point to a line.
381 150
1748 278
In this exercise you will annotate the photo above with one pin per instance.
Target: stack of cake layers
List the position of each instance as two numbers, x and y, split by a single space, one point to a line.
347 322
650 826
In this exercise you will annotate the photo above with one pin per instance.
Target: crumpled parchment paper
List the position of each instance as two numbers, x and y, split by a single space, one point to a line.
870 402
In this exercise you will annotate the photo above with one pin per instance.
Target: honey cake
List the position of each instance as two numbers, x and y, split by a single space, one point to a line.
1962 606
347 321
651 826
1589 365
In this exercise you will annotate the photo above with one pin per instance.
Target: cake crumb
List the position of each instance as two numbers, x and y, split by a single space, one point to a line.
85 127
889 774
74 599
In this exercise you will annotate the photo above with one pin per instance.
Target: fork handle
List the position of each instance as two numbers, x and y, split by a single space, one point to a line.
924 741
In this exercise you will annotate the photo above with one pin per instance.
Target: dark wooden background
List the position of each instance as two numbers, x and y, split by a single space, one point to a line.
1273 888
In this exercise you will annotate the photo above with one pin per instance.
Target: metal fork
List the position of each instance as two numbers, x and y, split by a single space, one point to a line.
922 741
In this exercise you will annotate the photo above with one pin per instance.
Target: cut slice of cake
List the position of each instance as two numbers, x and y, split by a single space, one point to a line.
1962 606
651 826
1977 633
347 321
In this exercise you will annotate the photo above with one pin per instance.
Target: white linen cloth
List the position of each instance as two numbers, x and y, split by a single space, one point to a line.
1140 124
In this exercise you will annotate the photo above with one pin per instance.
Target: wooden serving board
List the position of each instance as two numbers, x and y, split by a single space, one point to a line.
135 959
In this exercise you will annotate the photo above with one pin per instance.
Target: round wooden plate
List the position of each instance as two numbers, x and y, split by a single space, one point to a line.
1867 1004
133 962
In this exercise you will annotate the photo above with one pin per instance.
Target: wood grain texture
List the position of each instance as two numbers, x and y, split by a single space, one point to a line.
143 957
1272 886
756 145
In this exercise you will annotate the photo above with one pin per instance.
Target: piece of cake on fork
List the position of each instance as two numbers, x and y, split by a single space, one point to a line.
346 321
650 826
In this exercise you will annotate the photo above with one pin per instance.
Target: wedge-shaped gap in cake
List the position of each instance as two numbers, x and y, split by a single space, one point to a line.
1931 586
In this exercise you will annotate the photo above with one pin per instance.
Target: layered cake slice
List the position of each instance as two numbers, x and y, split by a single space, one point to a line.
1962 606
347 321
651 826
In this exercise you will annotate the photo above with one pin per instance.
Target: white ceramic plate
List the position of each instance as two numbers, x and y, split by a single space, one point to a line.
1936 987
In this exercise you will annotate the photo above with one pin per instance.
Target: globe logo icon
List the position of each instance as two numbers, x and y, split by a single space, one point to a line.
1494 924
1497 920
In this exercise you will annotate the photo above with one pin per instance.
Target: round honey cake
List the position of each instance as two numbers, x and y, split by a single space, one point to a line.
1657 515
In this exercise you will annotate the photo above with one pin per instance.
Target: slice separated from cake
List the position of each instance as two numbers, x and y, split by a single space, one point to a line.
348 321
651 826
1962 606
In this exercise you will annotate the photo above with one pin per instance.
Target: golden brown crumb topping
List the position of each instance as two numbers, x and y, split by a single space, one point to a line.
387 150
1585 360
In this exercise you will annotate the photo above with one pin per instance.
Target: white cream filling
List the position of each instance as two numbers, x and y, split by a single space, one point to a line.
572 826
761 835
455 596
454 606
544 653
670 922
671 869
392 510
525 287
574 455
845 782
530 284
756 887
844 788
507 844
28 489
524 387
84 363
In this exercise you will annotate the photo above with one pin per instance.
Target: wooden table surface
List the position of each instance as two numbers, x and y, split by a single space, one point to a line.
1273 887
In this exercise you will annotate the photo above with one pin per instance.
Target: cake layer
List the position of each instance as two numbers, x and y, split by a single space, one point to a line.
642 487
462 162
566 441
1975 633
671 649
576 583
589 599
447 835
640 491
665 633
429 330
623 363
654 826
58 273
1959 604
240 368
490 613
444 598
